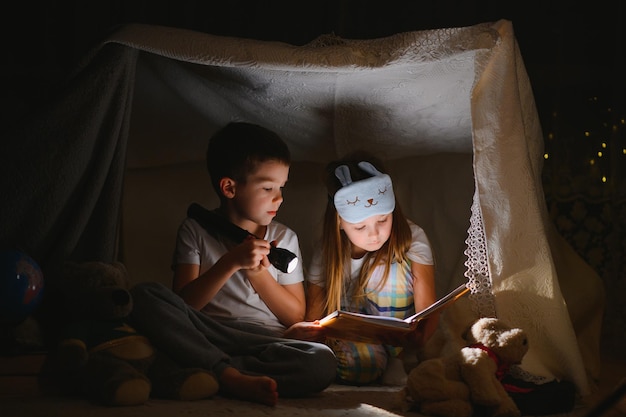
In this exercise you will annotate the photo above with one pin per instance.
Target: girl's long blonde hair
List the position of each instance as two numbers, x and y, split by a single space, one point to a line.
337 248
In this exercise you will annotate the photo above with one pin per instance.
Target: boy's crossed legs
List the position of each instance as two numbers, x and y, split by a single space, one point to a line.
249 363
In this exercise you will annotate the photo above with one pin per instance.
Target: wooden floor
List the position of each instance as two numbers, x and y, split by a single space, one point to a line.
25 391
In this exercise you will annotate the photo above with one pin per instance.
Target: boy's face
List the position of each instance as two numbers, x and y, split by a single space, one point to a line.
256 201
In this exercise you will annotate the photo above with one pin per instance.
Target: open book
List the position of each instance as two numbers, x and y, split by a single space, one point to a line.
374 329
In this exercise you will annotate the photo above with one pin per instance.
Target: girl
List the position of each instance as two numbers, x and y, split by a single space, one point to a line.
373 261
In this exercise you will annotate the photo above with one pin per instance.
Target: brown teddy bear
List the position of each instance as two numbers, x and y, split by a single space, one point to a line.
458 384
103 356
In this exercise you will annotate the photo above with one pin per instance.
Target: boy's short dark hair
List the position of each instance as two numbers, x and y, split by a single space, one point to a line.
236 149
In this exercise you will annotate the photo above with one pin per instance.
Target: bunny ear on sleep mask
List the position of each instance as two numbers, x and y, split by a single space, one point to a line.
369 168
342 172
358 200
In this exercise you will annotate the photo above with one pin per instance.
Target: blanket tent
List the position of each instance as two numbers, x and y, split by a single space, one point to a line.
108 169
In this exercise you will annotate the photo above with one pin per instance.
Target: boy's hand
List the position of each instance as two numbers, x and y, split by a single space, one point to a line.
306 330
251 254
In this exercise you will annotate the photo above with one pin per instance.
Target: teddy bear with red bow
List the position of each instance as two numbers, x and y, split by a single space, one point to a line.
457 384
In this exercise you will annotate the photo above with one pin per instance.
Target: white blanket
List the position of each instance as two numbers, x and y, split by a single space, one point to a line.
451 112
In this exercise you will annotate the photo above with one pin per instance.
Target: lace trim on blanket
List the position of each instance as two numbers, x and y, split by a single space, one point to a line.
518 372
414 46
477 273
479 280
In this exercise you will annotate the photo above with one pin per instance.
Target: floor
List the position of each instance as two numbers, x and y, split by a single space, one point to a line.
337 400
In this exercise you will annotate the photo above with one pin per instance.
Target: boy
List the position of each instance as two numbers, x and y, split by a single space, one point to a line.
230 308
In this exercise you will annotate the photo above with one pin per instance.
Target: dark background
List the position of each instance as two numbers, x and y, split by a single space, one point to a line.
574 55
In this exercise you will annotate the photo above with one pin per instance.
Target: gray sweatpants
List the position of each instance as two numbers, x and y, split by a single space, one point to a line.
193 339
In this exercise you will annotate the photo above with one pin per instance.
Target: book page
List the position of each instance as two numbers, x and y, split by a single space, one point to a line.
442 302
375 329
365 329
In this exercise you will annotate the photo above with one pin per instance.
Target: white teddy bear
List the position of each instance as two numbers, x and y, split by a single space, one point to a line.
455 385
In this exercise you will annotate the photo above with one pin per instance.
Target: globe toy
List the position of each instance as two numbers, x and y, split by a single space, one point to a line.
21 286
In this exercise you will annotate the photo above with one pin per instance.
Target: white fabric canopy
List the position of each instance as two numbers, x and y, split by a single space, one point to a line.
450 111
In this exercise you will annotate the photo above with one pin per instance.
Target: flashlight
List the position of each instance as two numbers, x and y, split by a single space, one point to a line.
282 259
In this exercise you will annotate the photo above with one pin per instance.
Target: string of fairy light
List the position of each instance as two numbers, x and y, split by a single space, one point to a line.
598 133
584 175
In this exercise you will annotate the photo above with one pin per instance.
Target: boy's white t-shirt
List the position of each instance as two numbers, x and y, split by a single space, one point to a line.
237 299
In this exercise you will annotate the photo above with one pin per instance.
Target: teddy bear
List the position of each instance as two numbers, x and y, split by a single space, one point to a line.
468 380
103 357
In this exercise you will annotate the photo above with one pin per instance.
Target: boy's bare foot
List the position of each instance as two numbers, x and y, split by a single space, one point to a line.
260 389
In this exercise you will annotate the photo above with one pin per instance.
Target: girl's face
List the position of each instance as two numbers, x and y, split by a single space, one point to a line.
368 235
